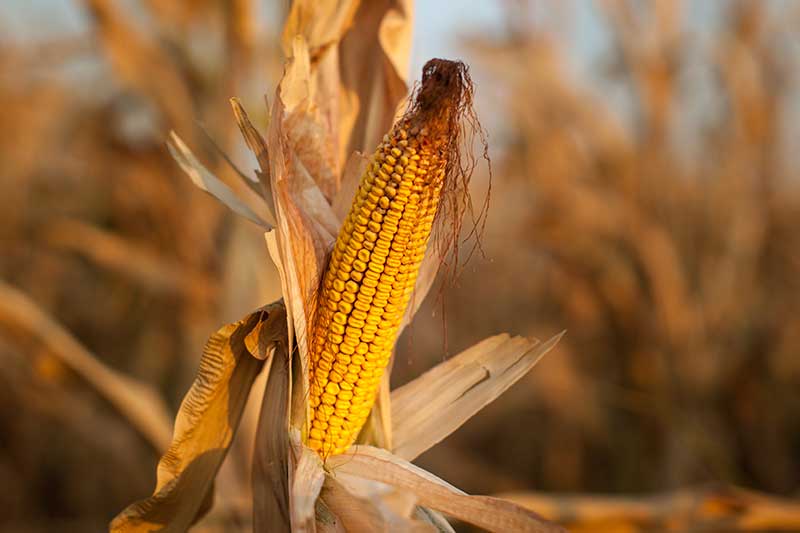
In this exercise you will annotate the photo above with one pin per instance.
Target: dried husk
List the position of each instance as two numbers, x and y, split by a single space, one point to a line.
271 461
330 106
358 513
429 408
306 481
205 424
489 513
205 180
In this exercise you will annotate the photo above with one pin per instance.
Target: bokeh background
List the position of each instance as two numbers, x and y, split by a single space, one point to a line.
645 197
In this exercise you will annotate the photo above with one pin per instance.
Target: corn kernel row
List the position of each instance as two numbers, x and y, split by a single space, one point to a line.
368 283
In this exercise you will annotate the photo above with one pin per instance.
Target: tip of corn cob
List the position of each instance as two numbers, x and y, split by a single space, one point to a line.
441 98
444 102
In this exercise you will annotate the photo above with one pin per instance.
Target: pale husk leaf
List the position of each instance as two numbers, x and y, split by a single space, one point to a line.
258 145
374 60
205 180
486 512
358 513
308 127
270 474
354 513
306 480
251 182
204 427
300 245
431 407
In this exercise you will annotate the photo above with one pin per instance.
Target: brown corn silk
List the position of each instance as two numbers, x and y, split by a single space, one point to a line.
378 252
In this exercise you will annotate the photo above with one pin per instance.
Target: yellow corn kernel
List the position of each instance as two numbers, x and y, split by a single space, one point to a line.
373 268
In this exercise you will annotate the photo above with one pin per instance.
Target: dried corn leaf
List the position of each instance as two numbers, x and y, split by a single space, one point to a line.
395 34
271 454
249 181
206 181
276 253
486 512
258 146
311 38
137 402
428 409
204 426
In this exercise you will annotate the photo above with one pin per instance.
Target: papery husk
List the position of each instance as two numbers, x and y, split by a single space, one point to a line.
205 180
306 479
432 406
356 513
205 424
303 236
373 79
326 520
358 66
492 514
322 23
352 512
258 145
434 518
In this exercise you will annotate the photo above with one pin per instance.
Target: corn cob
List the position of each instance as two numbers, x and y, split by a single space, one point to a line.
374 264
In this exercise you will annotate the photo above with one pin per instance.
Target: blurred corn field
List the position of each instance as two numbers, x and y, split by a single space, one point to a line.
647 204
661 234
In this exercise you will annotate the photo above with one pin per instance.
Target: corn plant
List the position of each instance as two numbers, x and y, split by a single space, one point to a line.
334 444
